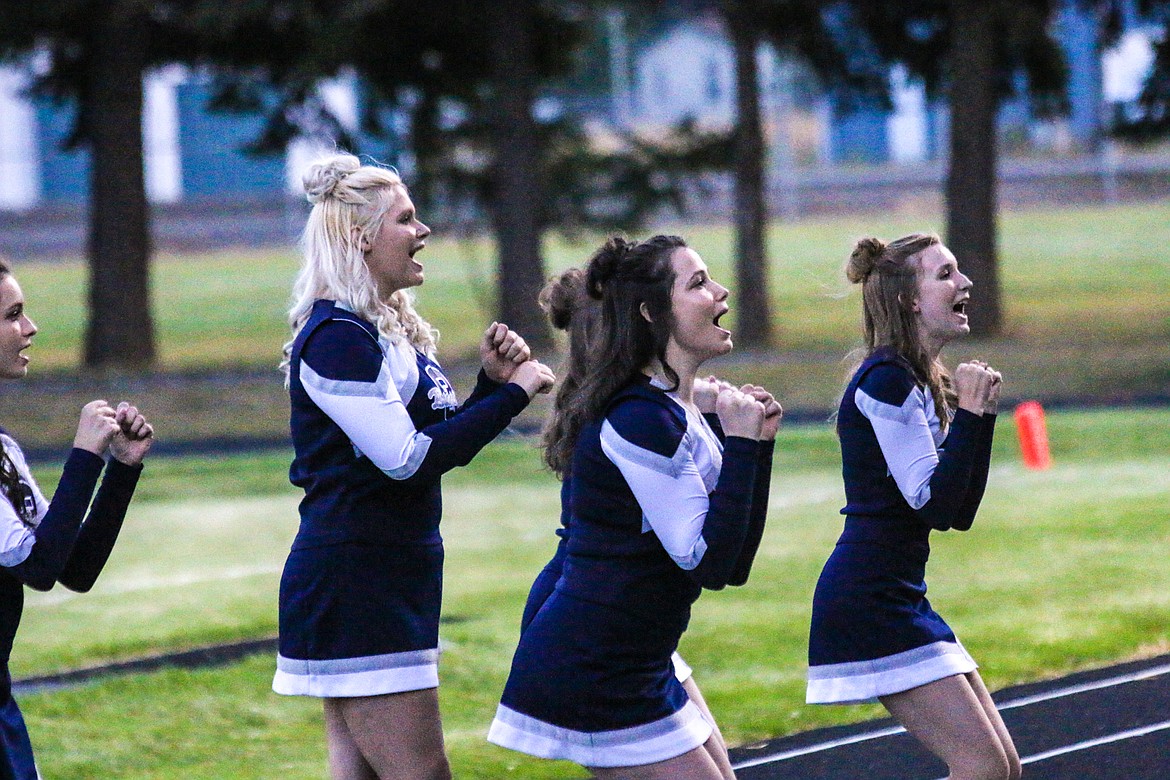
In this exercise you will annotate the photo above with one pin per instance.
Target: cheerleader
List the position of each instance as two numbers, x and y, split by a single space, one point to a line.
915 450
659 505
45 542
570 308
375 424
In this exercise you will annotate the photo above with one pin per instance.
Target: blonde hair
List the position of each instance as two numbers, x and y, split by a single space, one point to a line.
350 200
888 275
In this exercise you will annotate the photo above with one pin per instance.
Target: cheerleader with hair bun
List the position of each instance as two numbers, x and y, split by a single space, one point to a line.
657 504
375 424
915 451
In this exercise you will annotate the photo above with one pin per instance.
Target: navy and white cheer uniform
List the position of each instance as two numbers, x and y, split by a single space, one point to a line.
873 630
52 545
660 509
374 424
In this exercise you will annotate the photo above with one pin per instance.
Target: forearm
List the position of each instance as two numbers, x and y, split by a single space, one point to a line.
729 515
57 531
100 531
949 485
759 514
979 471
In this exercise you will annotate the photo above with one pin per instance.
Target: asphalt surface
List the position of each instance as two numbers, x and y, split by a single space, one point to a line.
1107 724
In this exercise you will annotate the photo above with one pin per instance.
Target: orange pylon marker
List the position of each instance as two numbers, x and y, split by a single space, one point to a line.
1033 435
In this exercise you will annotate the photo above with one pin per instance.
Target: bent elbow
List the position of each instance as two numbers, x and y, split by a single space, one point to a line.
41 582
77 586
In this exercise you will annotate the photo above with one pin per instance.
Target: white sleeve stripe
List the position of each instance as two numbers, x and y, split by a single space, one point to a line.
674 502
870 407
631 452
16 538
343 387
906 443
379 427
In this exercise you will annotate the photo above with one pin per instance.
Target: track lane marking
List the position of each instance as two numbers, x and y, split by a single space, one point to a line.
1072 690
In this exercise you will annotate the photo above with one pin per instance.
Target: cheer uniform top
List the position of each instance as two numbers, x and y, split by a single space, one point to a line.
660 509
52 545
873 630
374 426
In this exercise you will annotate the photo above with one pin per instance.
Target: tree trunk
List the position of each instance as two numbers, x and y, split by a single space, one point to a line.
972 177
753 312
517 188
120 332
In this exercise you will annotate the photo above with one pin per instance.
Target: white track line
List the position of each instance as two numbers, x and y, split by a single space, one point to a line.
1118 737
1092 743
1072 690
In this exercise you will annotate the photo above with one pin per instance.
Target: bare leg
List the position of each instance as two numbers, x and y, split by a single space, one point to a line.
1005 739
947 717
716 746
695 764
398 736
345 759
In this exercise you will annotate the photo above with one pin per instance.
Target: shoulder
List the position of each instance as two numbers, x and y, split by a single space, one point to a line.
886 377
884 387
342 345
647 418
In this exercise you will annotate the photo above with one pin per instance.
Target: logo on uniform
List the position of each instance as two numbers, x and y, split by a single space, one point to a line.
442 395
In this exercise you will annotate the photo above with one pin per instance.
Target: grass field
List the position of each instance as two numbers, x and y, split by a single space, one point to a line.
1074 279
1063 570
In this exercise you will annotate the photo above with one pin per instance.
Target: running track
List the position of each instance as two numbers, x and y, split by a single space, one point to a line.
1108 724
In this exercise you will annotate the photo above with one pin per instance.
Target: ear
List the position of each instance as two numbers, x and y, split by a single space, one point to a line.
362 240
645 312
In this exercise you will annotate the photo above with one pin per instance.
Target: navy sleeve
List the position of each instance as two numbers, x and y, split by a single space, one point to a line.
484 387
728 515
978 481
455 441
101 527
759 514
345 373
949 486
934 481
57 531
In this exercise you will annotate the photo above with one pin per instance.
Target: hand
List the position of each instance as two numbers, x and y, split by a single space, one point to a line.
705 391
534 376
739 414
991 405
97 426
973 382
773 411
134 437
502 350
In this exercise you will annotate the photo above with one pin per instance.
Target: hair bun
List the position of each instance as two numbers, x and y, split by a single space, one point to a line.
604 264
563 297
865 255
322 178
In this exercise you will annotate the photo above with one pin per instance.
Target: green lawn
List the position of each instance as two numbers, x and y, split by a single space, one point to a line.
1062 571
1085 297
1083 276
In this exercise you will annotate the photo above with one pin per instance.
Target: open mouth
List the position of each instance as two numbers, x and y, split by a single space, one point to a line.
418 248
719 316
960 308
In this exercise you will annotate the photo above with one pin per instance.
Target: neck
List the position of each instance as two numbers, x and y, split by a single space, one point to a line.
686 376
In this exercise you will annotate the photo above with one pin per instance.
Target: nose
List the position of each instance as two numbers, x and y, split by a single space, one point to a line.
423 230
721 292
30 328
965 282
